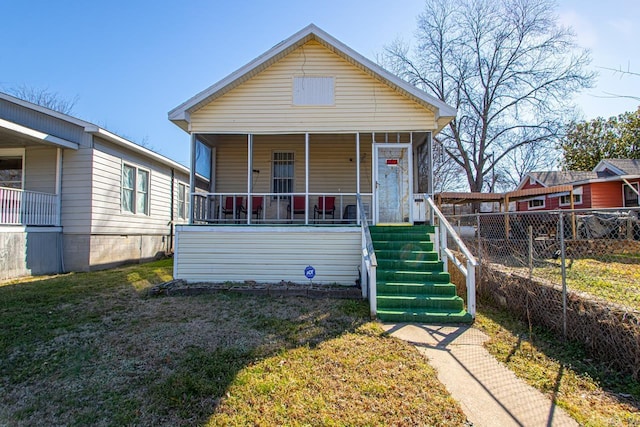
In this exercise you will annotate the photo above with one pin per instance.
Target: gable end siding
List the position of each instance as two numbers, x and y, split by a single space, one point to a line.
264 104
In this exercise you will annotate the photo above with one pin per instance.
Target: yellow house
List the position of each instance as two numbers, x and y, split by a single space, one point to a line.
292 156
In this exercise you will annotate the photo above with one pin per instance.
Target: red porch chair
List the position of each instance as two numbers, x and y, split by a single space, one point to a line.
256 206
299 206
233 205
326 206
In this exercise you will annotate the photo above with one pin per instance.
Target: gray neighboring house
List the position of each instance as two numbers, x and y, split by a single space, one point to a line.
76 197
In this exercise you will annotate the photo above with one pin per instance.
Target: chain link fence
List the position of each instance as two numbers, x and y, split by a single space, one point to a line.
576 272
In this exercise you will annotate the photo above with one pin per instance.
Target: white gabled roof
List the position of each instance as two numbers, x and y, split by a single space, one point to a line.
181 114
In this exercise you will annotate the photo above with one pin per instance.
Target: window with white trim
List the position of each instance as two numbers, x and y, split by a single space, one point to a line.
566 200
11 172
536 203
135 190
183 201
630 196
282 172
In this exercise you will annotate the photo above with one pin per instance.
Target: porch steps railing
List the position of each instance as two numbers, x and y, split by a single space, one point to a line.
20 207
412 284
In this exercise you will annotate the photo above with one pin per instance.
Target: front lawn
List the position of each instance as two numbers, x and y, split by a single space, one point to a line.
94 349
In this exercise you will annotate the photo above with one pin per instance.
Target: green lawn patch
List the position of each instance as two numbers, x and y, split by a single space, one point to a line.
614 279
95 349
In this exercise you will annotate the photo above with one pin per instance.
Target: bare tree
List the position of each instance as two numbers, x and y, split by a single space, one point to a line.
507 66
45 98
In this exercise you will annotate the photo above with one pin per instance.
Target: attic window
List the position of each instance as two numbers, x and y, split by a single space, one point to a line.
313 91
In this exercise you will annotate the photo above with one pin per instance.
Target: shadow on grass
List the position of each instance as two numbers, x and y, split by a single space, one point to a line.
201 377
569 355
32 309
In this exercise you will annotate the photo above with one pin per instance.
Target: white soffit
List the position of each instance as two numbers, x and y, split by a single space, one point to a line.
37 136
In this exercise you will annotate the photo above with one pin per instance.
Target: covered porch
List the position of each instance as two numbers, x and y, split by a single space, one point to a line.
305 178
30 175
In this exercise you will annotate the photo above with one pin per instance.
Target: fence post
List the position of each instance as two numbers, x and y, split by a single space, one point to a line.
479 247
564 277
530 251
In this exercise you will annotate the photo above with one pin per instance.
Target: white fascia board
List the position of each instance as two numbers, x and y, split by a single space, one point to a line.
607 179
95 130
299 38
604 164
37 136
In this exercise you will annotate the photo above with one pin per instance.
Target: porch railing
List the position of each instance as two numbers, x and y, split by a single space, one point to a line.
20 207
369 262
278 208
444 231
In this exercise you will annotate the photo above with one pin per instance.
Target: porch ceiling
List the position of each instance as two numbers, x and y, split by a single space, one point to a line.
15 135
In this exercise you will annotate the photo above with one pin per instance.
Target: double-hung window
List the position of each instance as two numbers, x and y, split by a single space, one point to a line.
536 203
566 200
183 201
135 190
282 172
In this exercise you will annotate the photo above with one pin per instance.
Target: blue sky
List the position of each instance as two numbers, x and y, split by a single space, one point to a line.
130 62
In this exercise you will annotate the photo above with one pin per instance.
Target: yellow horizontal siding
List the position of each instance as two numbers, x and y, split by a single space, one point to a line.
332 163
269 255
264 103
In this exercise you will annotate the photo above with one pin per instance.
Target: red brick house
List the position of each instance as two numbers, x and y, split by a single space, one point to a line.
613 183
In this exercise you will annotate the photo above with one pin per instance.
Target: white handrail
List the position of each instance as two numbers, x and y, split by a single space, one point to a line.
470 271
369 261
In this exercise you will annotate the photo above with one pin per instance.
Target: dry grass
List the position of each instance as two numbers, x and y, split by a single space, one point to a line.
614 280
588 391
93 349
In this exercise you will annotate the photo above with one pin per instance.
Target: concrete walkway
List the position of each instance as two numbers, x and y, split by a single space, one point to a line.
489 393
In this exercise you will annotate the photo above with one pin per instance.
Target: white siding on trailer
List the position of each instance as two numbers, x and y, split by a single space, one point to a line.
264 104
76 190
180 178
107 217
40 169
267 254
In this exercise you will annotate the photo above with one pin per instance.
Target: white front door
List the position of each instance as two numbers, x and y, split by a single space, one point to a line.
393 183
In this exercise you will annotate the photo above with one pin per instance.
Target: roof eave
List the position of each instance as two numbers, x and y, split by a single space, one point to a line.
118 140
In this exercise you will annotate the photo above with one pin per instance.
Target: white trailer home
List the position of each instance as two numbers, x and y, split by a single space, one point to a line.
76 197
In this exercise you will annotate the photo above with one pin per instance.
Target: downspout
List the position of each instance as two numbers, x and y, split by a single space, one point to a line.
171 215
59 154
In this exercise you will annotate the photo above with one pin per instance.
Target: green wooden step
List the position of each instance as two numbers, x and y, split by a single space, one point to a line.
399 245
399 254
416 288
409 264
424 316
413 302
402 229
413 276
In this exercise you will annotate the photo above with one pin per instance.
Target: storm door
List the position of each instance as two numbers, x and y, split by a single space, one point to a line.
393 183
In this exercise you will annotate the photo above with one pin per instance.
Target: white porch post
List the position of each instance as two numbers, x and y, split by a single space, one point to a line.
306 179
249 175
192 177
358 176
